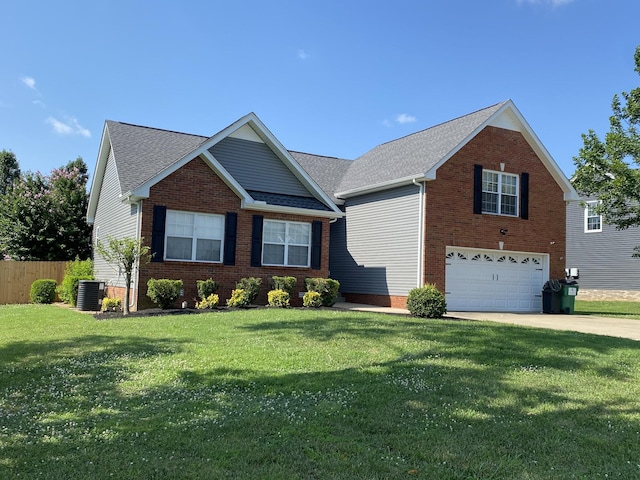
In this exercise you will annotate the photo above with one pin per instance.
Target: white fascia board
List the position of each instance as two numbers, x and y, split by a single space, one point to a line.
265 207
98 174
379 187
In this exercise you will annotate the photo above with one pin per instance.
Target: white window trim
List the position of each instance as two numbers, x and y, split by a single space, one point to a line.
587 217
287 244
194 239
499 193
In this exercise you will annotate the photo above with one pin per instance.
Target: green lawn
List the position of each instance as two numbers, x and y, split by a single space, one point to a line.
312 395
630 310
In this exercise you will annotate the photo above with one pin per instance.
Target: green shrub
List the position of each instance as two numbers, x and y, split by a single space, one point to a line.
163 292
43 291
239 298
206 288
288 284
111 304
74 271
278 298
251 286
312 299
211 301
326 287
427 302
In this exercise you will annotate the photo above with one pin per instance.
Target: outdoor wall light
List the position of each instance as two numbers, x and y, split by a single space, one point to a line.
503 231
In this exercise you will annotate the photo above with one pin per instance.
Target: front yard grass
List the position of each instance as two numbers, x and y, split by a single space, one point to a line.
272 393
606 308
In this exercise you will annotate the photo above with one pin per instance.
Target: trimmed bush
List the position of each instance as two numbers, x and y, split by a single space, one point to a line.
278 298
111 304
427 302
288 284
251 287
239 298
163 292
327 288
312 300
75 271
212 301
206 288
43 291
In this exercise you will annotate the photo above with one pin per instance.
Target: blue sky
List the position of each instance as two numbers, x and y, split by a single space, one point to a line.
327 77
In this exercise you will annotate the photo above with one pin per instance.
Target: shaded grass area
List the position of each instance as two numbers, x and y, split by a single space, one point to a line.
606 308
311 394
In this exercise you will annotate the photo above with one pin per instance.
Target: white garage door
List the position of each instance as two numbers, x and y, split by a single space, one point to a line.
494 280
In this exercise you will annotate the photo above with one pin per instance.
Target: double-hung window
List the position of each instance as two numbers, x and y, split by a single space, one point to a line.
286 243
499 193
592 219
194 236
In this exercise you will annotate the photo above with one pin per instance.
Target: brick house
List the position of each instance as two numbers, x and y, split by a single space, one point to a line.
225 207
475 205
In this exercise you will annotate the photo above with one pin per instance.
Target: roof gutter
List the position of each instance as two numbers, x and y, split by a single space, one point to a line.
400 182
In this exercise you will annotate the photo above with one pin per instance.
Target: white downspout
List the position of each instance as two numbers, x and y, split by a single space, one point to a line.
421 218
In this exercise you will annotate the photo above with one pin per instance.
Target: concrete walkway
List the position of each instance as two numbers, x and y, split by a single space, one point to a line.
613 327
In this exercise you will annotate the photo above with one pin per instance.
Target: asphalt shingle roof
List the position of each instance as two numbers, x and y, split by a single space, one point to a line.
412 155
143 152
327 172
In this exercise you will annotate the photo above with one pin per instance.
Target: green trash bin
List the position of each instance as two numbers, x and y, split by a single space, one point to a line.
568 297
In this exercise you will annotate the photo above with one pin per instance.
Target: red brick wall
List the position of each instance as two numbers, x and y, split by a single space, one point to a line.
196 188
449 205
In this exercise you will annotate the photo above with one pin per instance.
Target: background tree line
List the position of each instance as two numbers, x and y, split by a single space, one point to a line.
43 217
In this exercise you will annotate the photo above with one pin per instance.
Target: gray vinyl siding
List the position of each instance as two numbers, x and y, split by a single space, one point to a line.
256 167
113 218
375 248
604 258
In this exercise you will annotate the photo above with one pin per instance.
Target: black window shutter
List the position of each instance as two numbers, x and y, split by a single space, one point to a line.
230 233
477 189
316 245
524 196
157 233
256 241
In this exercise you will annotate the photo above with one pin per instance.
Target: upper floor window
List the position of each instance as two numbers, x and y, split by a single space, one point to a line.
592 219
499 193
286 243
194 236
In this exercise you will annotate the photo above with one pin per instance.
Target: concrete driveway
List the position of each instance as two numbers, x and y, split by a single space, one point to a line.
613 327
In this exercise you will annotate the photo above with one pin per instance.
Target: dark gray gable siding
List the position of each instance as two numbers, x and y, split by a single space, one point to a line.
604 258
256 167
375 248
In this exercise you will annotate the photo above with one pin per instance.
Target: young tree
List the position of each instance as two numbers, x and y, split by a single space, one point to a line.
126 254
43 217
9 170
608 170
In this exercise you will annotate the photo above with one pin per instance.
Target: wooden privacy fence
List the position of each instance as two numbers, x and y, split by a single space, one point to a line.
16 278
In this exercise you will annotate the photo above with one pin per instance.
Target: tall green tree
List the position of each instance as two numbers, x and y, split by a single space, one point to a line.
43 217
9 170
608 169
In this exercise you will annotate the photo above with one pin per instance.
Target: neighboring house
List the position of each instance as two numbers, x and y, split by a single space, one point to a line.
225 207
599 253
474 205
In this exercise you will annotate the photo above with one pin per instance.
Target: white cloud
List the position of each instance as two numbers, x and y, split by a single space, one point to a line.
302 55
30 82
69 127
405 118
39 103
